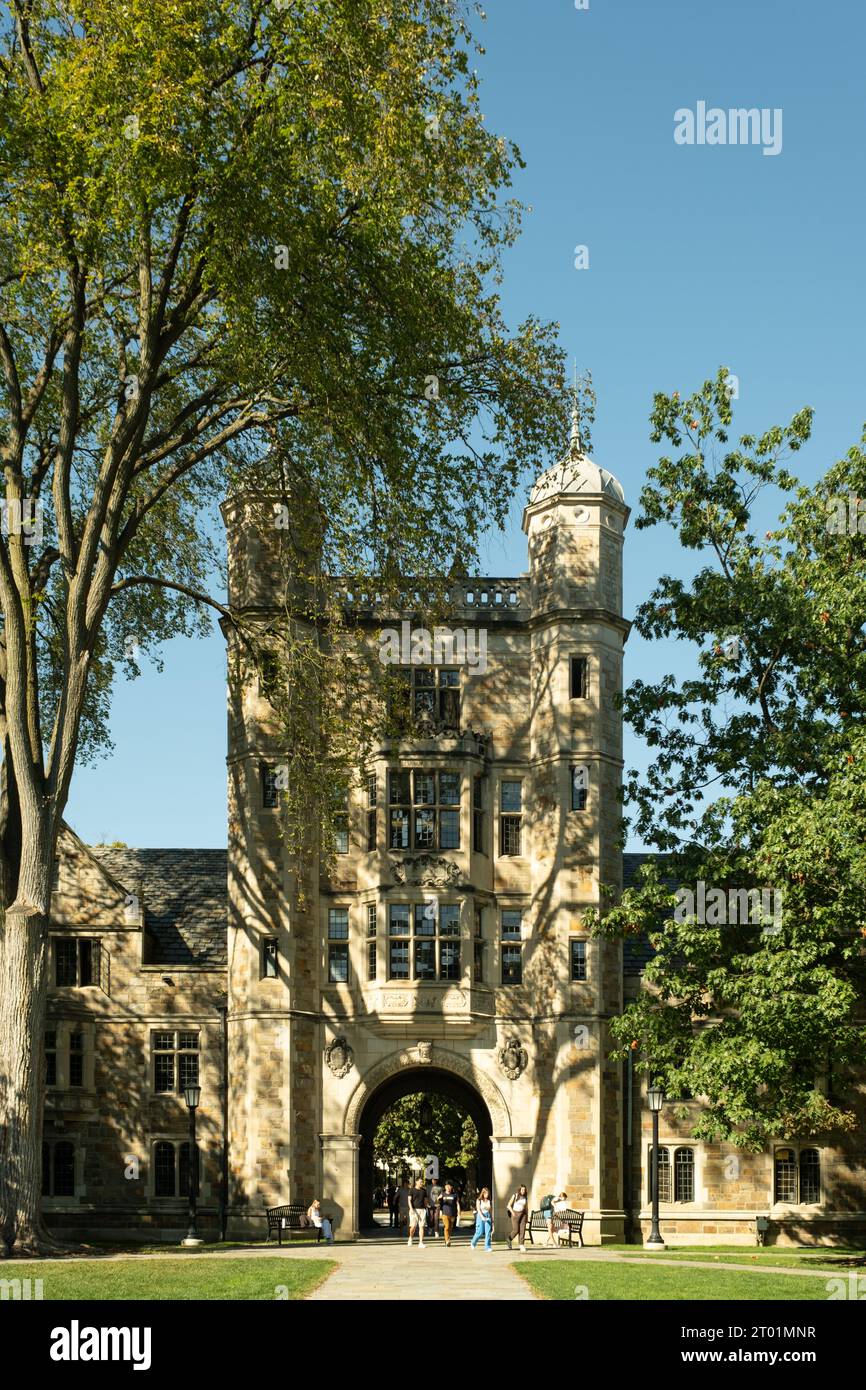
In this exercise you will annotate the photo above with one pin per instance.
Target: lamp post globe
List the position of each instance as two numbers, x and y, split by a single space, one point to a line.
655 1098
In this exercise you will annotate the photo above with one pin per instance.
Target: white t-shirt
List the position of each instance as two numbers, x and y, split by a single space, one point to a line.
519 1204
561 1204
484 1207
315 1216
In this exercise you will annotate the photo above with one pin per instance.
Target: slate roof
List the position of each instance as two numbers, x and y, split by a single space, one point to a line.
636 950
185 897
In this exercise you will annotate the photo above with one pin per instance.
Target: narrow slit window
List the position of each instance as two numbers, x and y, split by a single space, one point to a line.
338 945
270 958
684 1175
579 787
510 817
511 946
578 959
372 812
579 677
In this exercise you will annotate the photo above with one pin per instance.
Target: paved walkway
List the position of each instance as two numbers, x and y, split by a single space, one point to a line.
388 1269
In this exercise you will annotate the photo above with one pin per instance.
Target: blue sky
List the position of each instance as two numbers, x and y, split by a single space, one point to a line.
698 256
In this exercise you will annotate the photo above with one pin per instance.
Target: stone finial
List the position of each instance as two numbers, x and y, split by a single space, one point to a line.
574 447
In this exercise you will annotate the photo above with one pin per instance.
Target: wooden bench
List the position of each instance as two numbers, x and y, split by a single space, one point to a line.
292 1218
572 1221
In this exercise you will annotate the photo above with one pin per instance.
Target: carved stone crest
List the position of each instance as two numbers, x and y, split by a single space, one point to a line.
426 869
425 1051
512 1058
339 1057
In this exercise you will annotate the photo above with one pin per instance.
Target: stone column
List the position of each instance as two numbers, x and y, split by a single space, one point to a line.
511 1166
340 1182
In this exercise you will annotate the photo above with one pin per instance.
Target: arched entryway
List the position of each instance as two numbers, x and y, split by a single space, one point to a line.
428 1081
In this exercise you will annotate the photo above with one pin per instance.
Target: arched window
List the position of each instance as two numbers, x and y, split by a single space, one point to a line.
58 1169
163 1170
170 1169
64 1169
810 1176
786 1176
684 1175
183 1171
664 1174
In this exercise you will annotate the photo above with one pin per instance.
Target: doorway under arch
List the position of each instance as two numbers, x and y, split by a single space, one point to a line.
428 1081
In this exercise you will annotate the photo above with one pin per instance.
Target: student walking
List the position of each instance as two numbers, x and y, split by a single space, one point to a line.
418 1203
402 1205
433 1209
449 1205
547 1213
483 1220
392 1206
518 1210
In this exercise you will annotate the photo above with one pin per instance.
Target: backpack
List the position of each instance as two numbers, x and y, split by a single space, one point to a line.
547 1202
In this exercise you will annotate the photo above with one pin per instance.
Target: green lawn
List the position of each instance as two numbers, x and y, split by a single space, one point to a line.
202 1278
169 1248
810 1258
565 1280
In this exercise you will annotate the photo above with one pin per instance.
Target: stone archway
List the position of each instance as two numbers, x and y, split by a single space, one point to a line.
418 1069
425 1054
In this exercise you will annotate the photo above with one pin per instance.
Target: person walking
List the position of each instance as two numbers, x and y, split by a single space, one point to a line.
547 1212
433 1209
392 1206
402 1205
418 1203
518 1210
483 1220
321 1223
449 1206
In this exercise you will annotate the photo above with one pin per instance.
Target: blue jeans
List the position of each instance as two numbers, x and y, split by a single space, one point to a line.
483 1227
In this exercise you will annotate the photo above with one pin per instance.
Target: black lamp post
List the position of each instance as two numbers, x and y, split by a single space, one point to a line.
192 1096
655 1100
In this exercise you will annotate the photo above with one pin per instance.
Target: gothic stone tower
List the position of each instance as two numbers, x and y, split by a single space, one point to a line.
447 952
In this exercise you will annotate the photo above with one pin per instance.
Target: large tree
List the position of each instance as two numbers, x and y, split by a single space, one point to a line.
405 1131
241 245
757 780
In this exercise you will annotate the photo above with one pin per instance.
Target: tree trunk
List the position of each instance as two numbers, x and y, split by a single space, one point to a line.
23 997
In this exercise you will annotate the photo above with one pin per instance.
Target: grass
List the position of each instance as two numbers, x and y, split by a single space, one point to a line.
566 1280
189 1280
832 1259
96 1248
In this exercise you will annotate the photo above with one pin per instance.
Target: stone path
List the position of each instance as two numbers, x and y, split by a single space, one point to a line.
388 1270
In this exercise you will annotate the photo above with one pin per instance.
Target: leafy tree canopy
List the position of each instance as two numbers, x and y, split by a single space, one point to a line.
758 780
245 248
448 1133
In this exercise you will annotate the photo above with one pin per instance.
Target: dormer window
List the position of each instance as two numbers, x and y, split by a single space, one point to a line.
77 961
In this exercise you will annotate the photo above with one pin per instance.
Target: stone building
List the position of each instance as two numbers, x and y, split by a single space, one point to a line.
446 951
